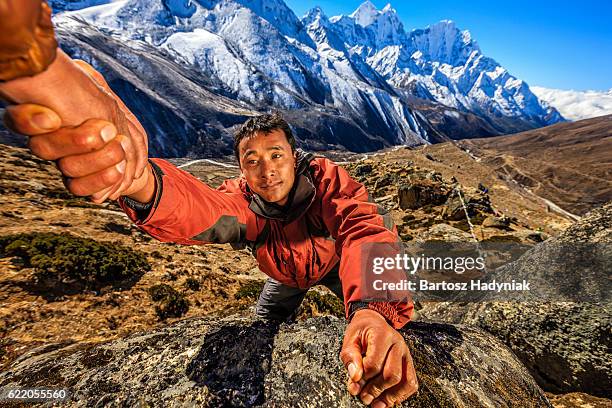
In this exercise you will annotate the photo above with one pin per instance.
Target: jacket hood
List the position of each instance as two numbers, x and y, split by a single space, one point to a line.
301 196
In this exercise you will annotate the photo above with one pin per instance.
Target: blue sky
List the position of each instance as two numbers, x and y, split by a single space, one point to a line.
555 44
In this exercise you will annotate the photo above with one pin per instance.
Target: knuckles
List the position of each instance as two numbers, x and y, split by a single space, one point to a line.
110 177
345 356
75 187
86 140
374 390
92 184
372 367
79 165
112 153
392 378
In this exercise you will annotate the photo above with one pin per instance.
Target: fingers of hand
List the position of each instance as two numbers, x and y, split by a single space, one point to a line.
377 348
137 133
390 375
138 136
130 167
355 387
139 140
90 136
101 196
404 389
31 119
81 165
93 183
351 357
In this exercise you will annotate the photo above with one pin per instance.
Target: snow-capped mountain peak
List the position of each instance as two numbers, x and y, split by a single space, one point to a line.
365 14
444 42
369 29
388 8
313 14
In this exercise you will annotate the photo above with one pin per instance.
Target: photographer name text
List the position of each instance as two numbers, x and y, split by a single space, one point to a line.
472 285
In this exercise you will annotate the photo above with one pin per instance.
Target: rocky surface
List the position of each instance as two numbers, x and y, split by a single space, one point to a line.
578 400
564 343
425 190
243 362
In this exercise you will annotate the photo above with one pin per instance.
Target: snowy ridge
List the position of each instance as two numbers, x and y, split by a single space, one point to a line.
231 41
577 105
440 63
363 67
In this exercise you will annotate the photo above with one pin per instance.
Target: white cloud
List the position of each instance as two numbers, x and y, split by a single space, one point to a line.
576 105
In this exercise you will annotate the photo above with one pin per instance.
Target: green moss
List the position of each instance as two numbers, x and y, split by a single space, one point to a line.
157 255
171 302
317 303
249 290
68 257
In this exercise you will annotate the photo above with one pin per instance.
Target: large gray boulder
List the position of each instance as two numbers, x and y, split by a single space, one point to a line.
238 361
562 328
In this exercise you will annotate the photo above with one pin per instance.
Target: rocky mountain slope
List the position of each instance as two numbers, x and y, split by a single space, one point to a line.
42 308
569 164
561 328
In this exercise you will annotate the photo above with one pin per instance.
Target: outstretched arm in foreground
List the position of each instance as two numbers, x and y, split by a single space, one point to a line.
34 71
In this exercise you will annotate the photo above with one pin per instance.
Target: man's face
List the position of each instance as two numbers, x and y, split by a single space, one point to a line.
268 164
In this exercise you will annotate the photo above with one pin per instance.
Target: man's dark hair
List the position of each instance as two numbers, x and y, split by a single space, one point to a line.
263 124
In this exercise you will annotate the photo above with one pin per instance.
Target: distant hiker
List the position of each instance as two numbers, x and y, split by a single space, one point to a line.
305 219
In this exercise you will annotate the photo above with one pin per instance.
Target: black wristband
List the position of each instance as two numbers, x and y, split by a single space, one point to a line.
137 205
355 306
143 209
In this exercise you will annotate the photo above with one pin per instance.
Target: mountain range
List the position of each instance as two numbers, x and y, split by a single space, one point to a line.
358 82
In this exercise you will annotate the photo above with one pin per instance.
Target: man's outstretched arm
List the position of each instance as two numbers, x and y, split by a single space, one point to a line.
181 208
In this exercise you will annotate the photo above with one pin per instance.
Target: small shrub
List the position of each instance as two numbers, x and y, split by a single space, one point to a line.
156 254
68 257
192 284
171 302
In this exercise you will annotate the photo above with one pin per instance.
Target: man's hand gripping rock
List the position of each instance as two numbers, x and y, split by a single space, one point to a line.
378 361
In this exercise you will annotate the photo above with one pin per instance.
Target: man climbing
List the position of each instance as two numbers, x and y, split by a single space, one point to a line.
306 221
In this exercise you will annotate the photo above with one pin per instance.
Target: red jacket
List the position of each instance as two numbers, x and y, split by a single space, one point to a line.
328 220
